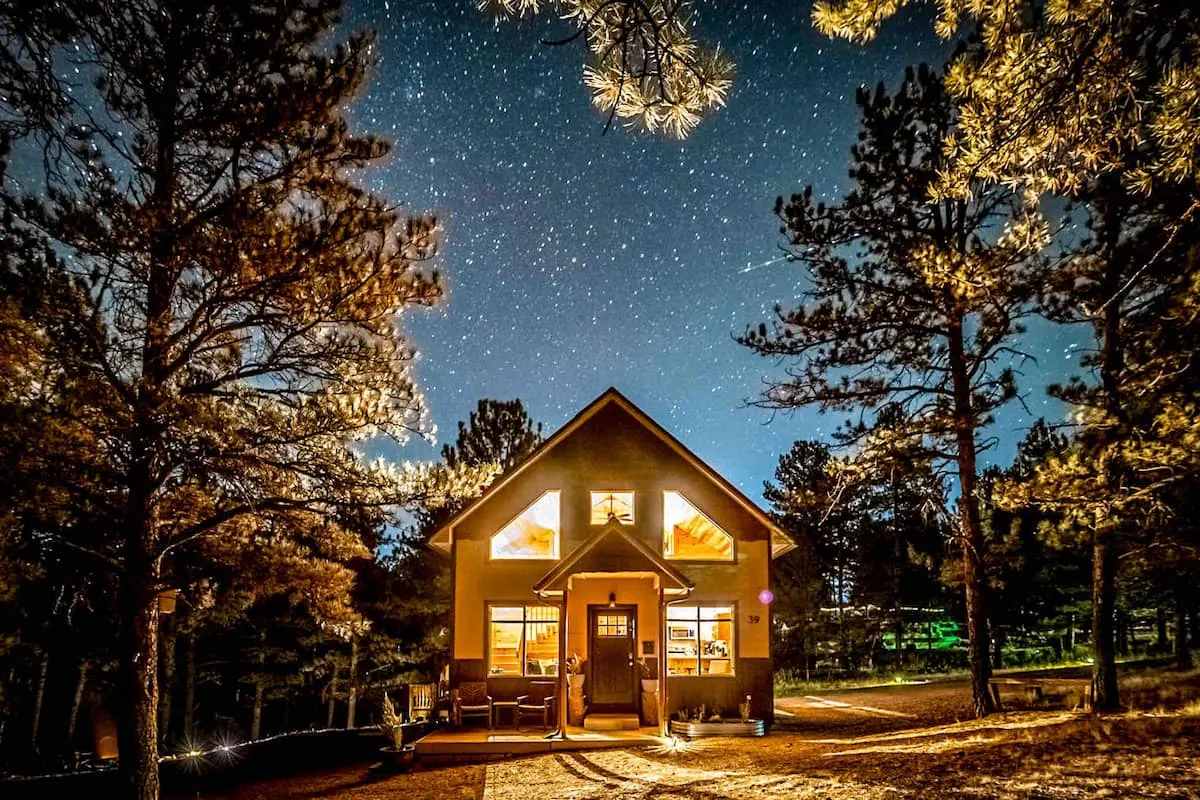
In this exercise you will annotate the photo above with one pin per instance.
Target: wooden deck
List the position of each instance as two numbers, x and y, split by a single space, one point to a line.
498 743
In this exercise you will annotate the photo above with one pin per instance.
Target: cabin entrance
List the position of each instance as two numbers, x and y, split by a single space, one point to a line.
612 660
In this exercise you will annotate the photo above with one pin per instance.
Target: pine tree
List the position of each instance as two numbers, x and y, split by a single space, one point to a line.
912 308
243 292
645 65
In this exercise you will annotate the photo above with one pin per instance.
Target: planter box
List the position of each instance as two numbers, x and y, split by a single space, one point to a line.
696 730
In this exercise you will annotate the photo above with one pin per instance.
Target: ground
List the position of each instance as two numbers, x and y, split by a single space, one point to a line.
888 742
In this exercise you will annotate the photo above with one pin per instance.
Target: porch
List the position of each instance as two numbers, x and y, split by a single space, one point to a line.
484 743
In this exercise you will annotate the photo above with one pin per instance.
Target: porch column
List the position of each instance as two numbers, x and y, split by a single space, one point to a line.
562 700
664 724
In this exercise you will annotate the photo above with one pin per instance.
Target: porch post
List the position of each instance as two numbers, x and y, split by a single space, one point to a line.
563 700
664 724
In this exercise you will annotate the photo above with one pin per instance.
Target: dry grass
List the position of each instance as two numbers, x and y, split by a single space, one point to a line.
905 742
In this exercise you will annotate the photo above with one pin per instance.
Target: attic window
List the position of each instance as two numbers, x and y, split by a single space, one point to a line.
533 534
612 505
690 535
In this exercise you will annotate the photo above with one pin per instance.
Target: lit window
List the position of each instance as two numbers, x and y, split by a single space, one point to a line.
612 505
533 534
688 534
523 640
699 640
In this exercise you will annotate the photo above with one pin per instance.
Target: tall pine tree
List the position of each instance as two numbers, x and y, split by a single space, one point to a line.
911 308
244 291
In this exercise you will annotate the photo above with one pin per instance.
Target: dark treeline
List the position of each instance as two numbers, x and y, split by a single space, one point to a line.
242 654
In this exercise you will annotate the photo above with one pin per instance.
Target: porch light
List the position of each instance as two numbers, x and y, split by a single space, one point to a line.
612 599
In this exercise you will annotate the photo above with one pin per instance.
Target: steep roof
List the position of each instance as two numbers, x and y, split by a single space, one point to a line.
780 541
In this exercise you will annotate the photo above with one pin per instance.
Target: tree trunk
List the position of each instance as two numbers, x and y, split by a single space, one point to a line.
352 694
256 720
1112 365
259 681
137 725
80 687
167 687
189 689
39 698
332 700
1160 619
1104 605
973 545
1183 649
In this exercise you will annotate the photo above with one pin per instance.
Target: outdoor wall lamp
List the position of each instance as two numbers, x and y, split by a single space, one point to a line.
612 599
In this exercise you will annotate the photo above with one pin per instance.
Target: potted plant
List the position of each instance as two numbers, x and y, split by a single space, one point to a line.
650 691
575 672
575 705
649 676
398 755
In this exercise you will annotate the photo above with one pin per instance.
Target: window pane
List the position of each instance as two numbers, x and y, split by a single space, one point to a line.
533 534
504 653
716 640
612 505
688 534
682 640
541 640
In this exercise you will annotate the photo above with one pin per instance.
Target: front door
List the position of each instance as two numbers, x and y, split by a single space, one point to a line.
611 636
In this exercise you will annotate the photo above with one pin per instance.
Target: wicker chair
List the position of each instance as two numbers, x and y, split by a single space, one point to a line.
539 702
471 699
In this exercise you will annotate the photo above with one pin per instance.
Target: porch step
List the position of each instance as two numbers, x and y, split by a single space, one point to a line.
610 722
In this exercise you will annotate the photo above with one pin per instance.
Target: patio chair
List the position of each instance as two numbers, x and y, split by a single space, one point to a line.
538 702
421 699
471 699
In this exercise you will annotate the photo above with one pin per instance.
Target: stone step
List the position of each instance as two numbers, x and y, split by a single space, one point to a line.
610 722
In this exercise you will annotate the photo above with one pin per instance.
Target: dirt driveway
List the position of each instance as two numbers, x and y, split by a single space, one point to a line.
893 742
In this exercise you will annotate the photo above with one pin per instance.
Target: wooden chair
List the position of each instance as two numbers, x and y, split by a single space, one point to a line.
538 702
422 697
471 699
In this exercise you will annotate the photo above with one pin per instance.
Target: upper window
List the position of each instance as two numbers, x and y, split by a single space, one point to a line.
688 534
533 534
612 505
523 640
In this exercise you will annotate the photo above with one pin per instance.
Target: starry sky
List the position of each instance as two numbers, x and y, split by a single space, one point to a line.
576 261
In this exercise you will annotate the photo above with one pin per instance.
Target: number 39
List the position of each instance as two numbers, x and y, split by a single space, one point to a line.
753 619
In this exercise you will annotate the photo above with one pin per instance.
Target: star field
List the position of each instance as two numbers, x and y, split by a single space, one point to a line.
576 260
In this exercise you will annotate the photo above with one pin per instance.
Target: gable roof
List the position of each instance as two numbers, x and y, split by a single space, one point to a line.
780 542
613 549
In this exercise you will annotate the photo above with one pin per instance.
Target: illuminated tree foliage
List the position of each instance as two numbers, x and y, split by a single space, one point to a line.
243 294
910 310
644 65
1055 93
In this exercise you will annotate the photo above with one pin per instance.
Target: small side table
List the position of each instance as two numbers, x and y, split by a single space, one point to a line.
503 705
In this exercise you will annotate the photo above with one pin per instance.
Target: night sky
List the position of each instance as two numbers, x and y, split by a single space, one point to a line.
576 260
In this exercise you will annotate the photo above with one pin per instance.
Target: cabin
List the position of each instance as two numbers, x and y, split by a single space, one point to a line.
615 547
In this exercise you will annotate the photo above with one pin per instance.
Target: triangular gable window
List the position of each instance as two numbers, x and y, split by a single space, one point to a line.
533 534
689 535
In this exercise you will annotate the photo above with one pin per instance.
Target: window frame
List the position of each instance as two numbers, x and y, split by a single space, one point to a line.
525 622
557 549
734 633
632 505
732 539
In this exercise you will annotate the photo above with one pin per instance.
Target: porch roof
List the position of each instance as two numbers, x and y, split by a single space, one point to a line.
612 549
